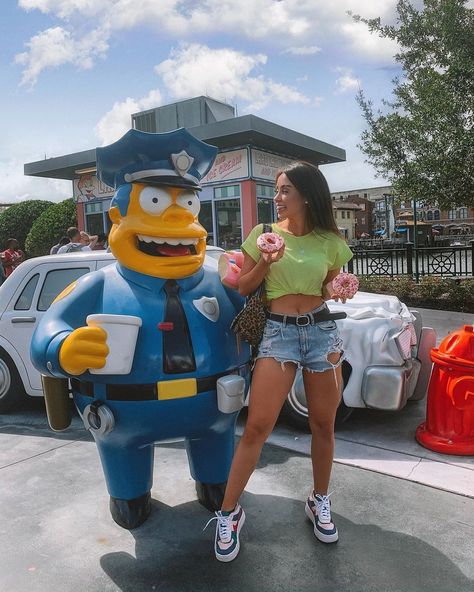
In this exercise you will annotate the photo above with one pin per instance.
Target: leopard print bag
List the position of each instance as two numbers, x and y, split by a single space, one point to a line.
249 323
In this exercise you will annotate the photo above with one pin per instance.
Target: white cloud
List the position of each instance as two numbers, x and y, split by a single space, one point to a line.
64 8
117 121
302 50
55 47
346 81
375 48
16 186
224 74
279 23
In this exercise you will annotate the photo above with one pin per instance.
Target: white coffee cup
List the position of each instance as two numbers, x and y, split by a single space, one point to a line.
122 332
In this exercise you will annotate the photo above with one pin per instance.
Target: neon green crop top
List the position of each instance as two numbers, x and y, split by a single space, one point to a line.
305 263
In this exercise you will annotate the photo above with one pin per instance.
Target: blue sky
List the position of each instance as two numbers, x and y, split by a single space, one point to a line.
72 72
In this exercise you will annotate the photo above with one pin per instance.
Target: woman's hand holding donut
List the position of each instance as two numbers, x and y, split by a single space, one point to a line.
270 258
330 294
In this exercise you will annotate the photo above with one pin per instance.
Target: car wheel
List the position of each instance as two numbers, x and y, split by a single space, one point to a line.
11 387
295 411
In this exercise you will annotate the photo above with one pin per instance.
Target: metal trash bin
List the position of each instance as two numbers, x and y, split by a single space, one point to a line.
449 425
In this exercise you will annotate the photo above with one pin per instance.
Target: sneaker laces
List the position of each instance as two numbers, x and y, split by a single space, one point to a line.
224 526
323 506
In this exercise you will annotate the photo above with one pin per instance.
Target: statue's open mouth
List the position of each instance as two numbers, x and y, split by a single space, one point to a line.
166 247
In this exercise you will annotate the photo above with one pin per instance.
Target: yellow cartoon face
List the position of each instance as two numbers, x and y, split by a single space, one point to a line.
160 235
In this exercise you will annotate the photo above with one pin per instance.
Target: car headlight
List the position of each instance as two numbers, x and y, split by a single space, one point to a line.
404 341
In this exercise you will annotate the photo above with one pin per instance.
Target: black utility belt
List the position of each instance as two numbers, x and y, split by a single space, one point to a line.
310 318
163 390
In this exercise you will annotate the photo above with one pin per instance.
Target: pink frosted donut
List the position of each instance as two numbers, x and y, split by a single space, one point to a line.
345 285
229 266
269 242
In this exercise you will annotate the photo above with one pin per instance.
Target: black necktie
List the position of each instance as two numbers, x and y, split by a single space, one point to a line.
178 354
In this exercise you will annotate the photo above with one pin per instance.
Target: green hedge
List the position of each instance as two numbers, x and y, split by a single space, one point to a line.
431 292
50 227
16 221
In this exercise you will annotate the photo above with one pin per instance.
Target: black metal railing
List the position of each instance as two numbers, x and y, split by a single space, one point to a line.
452 261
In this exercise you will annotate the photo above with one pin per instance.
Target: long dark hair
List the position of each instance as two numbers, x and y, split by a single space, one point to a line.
313 188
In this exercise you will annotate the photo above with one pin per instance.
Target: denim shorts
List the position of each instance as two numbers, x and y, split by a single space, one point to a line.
308 347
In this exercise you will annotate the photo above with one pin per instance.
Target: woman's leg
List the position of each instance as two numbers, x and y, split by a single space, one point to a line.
270 387
323 395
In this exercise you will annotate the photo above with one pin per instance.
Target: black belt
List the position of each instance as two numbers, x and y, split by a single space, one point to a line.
147 392
310 318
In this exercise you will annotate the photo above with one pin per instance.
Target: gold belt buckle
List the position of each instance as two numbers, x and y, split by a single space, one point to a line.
176 389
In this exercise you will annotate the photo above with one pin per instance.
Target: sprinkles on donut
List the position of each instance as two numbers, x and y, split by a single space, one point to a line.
345 285
269 242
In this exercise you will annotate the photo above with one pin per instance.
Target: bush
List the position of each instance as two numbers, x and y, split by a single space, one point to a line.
50 227
16 221
430 292
461 295
431 287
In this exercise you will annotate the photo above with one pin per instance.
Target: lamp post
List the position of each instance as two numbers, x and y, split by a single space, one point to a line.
387 215
415 242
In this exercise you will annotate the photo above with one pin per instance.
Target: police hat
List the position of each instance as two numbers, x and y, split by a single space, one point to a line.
172 158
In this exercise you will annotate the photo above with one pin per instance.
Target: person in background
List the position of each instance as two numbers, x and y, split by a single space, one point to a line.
101 243
12 256
2 271
64 240
79 241
88 241
299 333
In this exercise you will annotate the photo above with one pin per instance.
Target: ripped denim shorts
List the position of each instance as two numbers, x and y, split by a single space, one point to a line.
308 346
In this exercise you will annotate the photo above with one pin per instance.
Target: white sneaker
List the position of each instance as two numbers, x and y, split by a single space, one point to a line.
227 543
318 510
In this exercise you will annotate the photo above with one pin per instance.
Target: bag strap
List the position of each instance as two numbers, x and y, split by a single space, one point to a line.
259 291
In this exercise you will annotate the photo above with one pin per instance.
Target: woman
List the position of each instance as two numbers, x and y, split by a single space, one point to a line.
297 282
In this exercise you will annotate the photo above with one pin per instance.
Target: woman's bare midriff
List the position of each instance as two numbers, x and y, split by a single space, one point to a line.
295 304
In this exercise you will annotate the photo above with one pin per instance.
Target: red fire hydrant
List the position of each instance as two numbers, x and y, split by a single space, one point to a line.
449 425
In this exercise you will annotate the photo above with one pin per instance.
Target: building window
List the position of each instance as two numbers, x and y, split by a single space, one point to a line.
227 191
343 214
228 223
429 215
94 217
265 211
265 190
205 218
362 220
436 214
452 214
462 213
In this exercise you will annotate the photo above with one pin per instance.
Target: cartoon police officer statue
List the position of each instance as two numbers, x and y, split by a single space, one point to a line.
188 374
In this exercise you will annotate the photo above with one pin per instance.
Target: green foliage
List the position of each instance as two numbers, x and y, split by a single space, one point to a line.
432 287
430 292
461 296
423 139
50 227
16 221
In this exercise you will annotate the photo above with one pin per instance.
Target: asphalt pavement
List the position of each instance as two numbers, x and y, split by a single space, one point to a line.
396 533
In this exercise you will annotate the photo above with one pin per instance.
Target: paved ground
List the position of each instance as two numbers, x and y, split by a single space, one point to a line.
56 533
396 533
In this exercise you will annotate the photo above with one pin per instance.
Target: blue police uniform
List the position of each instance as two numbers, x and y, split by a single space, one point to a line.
141 416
